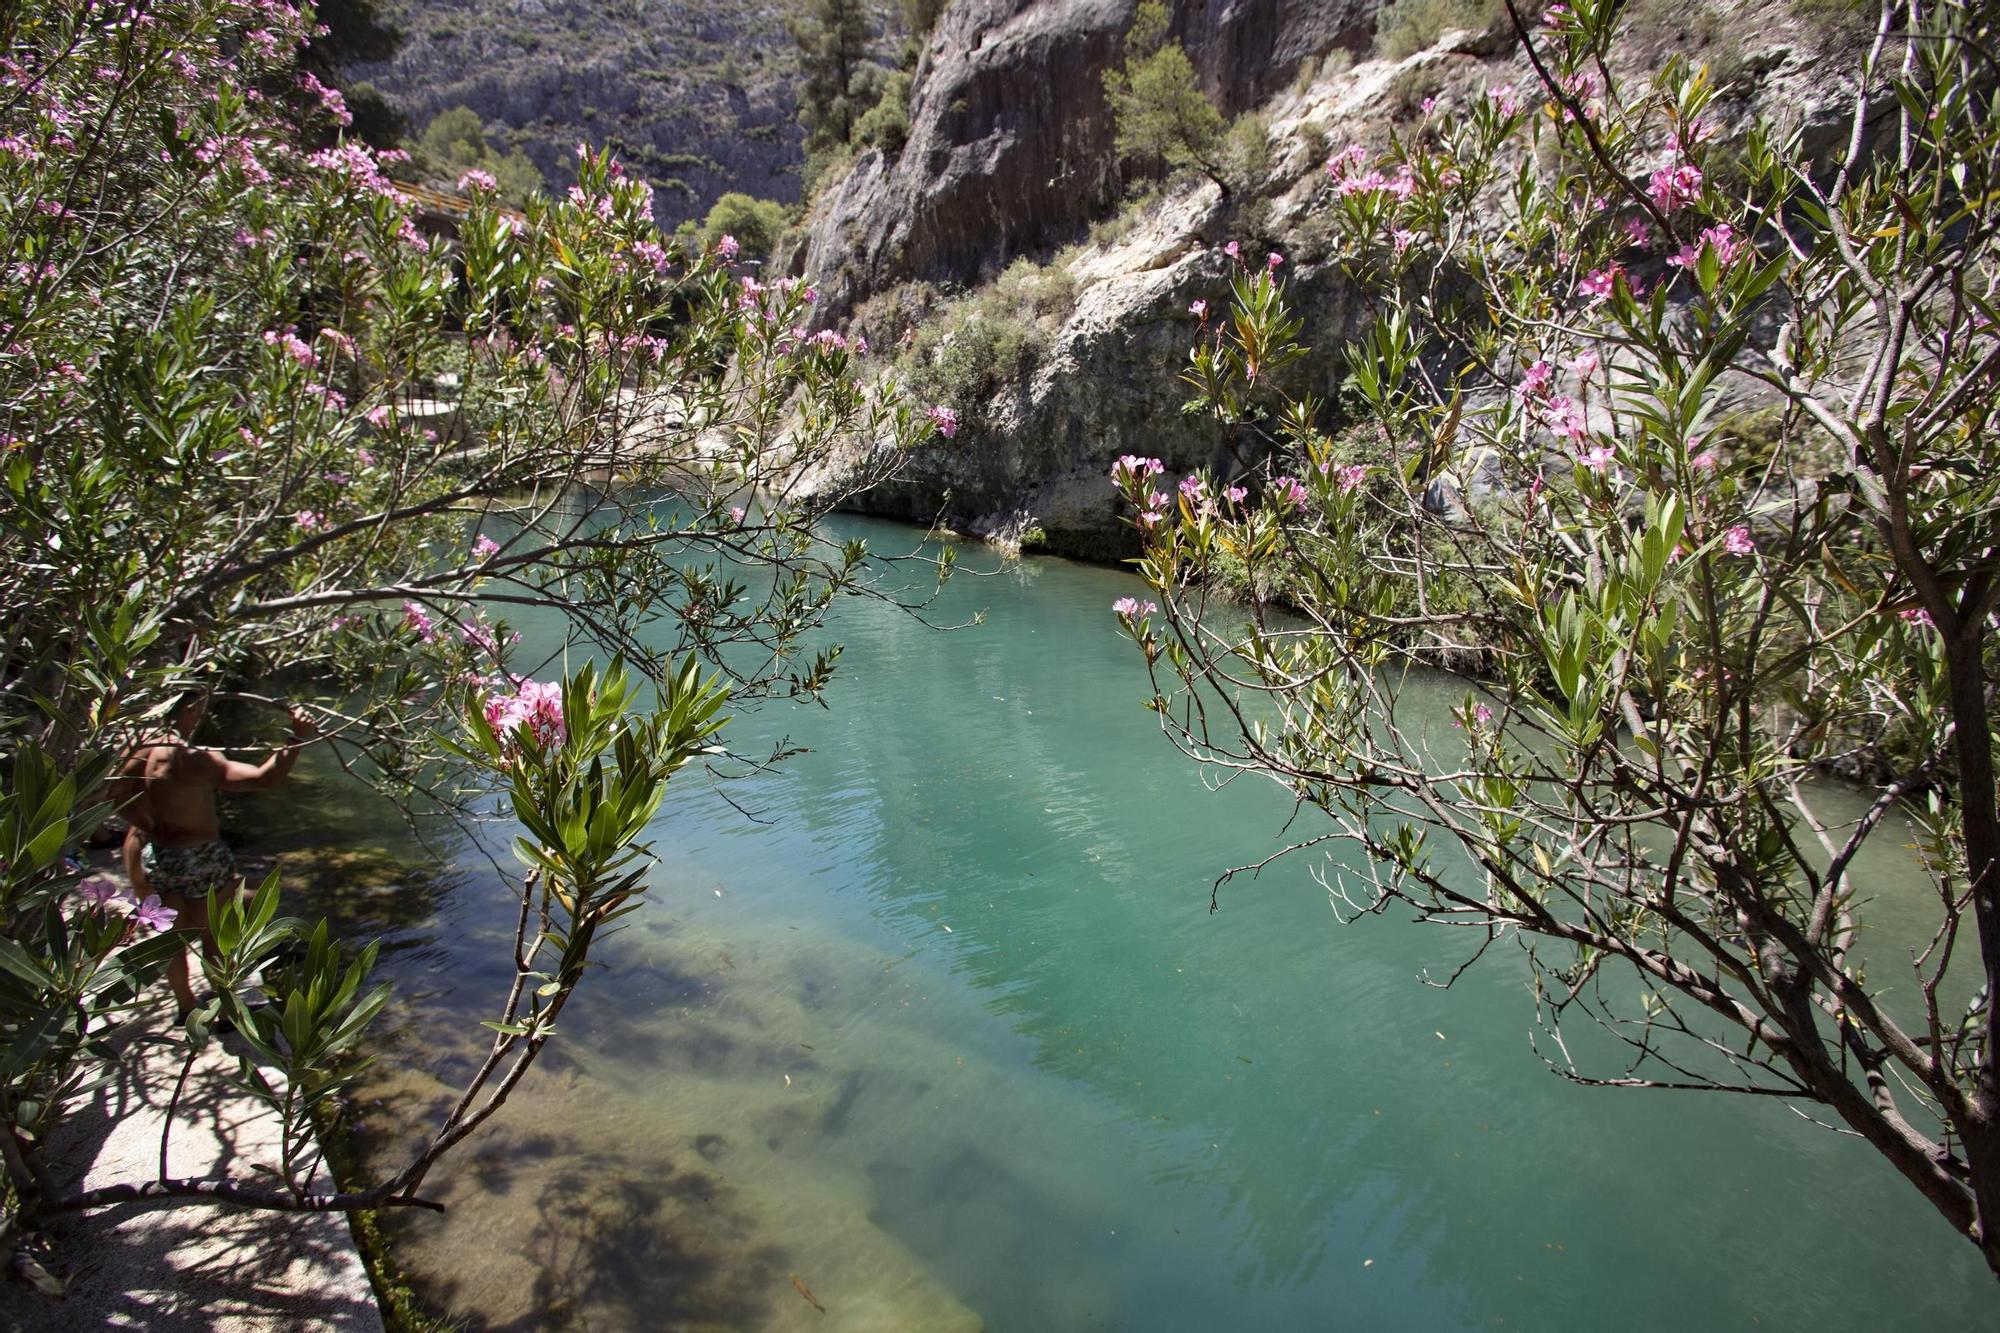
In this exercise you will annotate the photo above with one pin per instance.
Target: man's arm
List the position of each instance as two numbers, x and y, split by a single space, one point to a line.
135 867
227 774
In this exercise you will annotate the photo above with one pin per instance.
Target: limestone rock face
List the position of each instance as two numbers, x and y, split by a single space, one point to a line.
1010 145
698 95
1010 155
1040 459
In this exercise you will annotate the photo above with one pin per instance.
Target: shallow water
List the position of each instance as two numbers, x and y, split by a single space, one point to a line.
953 1040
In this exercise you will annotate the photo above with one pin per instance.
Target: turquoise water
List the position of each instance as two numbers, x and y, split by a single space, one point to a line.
951 1040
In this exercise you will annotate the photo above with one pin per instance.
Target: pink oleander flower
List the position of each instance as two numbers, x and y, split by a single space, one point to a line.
536 705
1350 478
1233 250
308 520
332 399
1536 383
1584 365
1566 419
378 417
479 636
1152 518
1503 99
1157 500
99 890
944 419
1199 309
1194 488
1599 458
1399 240
419 620
1353 155
1554 16
288 341
1272 260
1672 188
1599 285
1131 608
726 248
1131 469
1916 615
1235 495
736 514
1737 541
1428 105
153 914
1722 239
477 182
485 548
1703 461
1287 493
1637 232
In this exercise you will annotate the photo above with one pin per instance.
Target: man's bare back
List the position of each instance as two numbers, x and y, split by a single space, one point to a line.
165 787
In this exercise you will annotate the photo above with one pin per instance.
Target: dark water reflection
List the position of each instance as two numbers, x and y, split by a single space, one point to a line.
954 1041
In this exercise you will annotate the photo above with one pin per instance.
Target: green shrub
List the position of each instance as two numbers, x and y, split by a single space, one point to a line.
755 223
995 336
1406 27
886 125
455 142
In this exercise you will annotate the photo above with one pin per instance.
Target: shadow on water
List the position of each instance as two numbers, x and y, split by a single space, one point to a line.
956 1030
606 1248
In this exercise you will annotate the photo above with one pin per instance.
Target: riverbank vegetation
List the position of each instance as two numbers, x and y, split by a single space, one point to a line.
1580 291
268 425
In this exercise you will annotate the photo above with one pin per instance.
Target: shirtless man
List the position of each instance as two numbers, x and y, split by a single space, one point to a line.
166 789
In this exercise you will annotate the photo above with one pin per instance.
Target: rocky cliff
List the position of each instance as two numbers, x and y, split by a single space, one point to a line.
1010 145
697 93
1010 155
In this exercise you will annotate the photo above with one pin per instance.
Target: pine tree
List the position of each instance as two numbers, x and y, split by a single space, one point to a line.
834 38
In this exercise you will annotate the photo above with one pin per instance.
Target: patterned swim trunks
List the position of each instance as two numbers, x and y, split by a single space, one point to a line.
189 871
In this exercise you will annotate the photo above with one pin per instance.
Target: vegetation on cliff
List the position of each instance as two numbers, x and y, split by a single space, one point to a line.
267 424
1568 281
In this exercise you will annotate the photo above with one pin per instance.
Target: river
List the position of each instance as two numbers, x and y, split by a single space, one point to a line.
948 1038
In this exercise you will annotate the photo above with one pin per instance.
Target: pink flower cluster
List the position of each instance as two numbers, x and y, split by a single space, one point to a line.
1131 470
1131 608
361 168
291 344
418 619
476 181
1722 239
1738 541
330 98
944 419
100 891
1345 478
1545 407
1675 187
1601 283
1344 168
1288 493
535 704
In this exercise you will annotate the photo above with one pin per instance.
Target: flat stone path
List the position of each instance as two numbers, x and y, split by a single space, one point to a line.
189 1267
